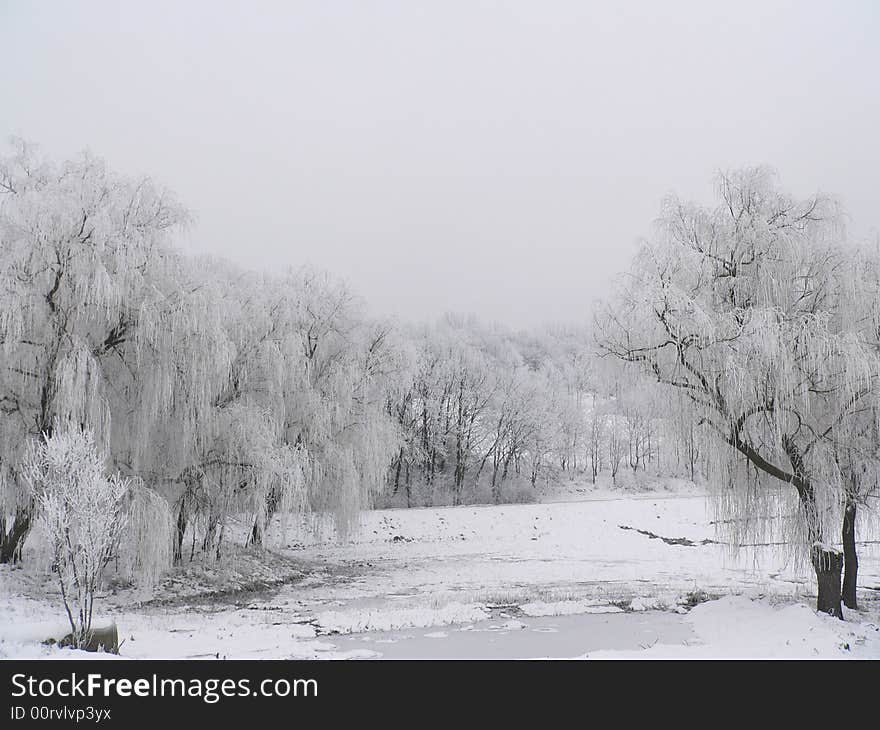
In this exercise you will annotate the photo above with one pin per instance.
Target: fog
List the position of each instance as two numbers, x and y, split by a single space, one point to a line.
495 158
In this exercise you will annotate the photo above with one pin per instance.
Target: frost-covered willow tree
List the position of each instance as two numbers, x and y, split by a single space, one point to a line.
83 258
290 414
755 310
219 450
856 439
337 408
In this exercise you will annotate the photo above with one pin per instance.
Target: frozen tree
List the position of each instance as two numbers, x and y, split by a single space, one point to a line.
431 401
555 423
83 513
470 389
350 368
616 446
291 414
510 424
596 427
746 308
402 408
144 549
571 387
855 441
83 259
233 459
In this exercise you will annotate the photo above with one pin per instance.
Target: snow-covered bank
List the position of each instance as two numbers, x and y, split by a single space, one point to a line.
736 627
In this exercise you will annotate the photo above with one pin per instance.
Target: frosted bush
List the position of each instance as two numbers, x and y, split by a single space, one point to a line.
81 509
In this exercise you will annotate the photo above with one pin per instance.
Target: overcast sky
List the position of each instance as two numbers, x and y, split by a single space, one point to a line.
500 158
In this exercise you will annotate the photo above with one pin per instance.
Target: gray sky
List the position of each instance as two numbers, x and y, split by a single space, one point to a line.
500 158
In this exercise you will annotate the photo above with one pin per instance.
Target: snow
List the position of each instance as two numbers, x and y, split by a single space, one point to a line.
566 608
554 637
349 622
555 579
557 551
736 627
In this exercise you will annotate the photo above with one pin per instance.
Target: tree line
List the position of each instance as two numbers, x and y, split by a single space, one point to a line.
228 397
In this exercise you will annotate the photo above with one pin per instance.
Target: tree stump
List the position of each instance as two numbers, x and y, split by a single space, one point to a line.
828 564
104 639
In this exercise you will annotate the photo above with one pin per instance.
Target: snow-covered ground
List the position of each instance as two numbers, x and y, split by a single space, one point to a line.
741 628
591 576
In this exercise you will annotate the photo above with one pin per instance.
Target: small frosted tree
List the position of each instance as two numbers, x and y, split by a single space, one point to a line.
82 510
762 318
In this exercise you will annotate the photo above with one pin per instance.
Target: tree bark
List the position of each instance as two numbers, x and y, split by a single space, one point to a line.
828 564
257 533
12 540
397 472
850 558
180 532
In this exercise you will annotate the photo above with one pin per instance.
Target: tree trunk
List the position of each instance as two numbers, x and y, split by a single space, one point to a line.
828 564
180 532
851 560
495 490
12 540
262 522
257 533
397 472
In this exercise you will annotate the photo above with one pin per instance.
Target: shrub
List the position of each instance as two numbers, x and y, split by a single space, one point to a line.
82 511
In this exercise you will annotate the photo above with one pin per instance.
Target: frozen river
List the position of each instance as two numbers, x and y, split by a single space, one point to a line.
556 637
